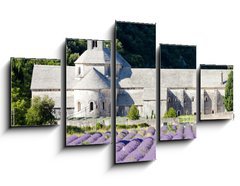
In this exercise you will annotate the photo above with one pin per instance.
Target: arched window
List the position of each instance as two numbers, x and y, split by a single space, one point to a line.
79 106
79 70
178 113
192 98
205 98
91 106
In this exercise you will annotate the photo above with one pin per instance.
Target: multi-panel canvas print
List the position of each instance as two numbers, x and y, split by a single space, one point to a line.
216 82
177 92
88 99
35 92
135 129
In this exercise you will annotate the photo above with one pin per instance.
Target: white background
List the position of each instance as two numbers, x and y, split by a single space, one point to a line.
38 29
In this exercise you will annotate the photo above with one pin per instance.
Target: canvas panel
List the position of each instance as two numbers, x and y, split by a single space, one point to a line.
35 92
135 108
177 92
88 104
216 92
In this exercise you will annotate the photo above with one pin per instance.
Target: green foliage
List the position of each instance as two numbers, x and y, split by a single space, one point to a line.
171 113
187 119
74 47
134 126
72 58
228 99
99 126
119 46
107 44
21 75
19 110
73 129
136 43
175 56
41 111
133 113
91 130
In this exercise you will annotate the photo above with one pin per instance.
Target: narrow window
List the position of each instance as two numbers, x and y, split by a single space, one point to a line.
79 70
94 44
178 113
169 100
193 99
91 106
103 106
206 99
79 106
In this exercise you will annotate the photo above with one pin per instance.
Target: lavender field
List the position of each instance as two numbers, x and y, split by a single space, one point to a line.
178 132
136 145
89 139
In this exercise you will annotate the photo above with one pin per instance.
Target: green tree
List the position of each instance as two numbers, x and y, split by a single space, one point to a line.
18 111
41 111
228 99
133 113
136 43
21 75
171 113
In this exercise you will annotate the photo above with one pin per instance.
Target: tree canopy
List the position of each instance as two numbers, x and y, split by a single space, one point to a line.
41 111
21 75
178 56
133 113
228 99
136 43
171 113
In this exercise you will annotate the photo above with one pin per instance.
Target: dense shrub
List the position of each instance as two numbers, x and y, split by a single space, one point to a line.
228 99
171 113
133 113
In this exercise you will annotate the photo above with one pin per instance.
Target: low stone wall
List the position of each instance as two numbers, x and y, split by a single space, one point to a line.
223 115
89 122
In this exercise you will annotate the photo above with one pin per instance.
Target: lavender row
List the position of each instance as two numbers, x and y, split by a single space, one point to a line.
181 132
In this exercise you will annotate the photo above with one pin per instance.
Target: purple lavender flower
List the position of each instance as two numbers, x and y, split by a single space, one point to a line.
71 138
151 130
188 133
139 136
100 140
80 140
93 138
121 144
141 150
177 136
164 128
122 134
165 137
131 146
151 155
130 135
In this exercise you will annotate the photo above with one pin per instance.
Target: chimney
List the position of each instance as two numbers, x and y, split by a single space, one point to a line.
89 44
100 45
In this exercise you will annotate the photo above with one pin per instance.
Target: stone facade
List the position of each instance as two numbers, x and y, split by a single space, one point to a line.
88 85
178 90
213 82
